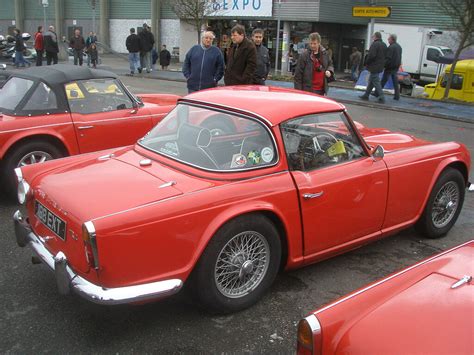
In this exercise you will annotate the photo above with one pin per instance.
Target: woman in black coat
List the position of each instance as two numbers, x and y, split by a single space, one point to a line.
165 58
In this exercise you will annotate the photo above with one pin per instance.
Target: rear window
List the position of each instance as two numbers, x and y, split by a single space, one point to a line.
13 92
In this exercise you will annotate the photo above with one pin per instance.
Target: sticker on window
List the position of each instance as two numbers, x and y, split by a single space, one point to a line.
267 154
238 161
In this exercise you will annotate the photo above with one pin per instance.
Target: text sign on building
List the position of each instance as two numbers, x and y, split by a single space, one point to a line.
371 11
242 8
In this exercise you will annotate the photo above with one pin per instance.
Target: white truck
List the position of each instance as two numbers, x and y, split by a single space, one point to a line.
418 52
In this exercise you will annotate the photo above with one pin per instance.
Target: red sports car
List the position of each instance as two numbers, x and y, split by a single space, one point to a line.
60 110
231 186
427 308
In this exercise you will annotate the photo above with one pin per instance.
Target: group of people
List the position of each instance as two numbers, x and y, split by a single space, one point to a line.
141 54
382 59
79 46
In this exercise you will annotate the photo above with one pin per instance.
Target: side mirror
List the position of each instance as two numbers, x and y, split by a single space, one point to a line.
378 153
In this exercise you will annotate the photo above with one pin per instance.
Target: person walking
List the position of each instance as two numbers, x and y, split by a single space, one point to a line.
39 46
77 44
314 68
355 58
241 58
19 49
93 55
204 64
263 59
133 46
50 40
375 62
147 40
92 38
393 60
165 57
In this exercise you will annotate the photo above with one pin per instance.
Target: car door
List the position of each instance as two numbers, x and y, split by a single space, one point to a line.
104 116
342 190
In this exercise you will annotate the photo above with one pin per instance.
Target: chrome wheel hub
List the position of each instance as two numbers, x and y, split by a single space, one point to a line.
242 264
34 157
445 204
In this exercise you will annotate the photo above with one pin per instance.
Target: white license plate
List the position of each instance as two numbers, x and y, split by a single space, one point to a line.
50 220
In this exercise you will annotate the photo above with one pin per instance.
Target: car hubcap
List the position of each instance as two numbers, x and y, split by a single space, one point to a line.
34 157
242 264
445 204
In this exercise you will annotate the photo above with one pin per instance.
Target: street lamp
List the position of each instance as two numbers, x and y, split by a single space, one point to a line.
45 4
278 37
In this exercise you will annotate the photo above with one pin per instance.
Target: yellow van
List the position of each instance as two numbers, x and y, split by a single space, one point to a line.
462 86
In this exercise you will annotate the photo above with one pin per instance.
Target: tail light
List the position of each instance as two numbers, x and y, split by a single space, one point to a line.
90 244
309 337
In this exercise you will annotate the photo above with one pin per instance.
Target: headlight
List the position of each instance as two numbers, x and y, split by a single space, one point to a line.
23 191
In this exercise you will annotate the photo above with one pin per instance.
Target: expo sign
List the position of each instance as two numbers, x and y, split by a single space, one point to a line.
242 8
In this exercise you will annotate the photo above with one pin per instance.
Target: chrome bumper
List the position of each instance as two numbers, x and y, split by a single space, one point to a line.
67 279
470 187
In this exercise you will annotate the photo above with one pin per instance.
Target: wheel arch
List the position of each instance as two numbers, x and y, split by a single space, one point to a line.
51 139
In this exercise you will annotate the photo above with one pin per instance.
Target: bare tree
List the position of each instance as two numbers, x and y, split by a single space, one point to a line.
194 12
461 13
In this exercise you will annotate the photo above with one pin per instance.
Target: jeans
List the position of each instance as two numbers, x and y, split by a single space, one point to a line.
39 58
355 72
145 58
78 56
19 59
51 57
374 82
394 75
134 60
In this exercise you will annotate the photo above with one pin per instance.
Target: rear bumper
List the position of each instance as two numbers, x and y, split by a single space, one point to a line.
67 279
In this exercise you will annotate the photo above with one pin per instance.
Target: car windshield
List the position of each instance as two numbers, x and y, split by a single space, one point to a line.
212 140
13 92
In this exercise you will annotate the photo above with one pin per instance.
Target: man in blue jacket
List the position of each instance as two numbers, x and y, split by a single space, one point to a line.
204 64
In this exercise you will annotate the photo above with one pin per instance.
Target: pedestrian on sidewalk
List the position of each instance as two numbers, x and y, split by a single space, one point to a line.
314 68
355 58
241 58
375 62
263 59
147 40
50 39
92 38
39 46
393 60
133 46
77 44
93 55
203 66
165 57
19 49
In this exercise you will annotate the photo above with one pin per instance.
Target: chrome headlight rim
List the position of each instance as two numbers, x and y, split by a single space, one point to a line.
23 191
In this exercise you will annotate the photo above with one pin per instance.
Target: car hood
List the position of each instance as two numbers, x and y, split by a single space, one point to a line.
427 317
109 184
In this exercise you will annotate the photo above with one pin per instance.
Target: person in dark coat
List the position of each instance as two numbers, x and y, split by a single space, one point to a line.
165 57
39 46
77 43
19 49
375 62
50 40
314 68
203 66
93 55
241 59
133 46
393 60
147 40
263 59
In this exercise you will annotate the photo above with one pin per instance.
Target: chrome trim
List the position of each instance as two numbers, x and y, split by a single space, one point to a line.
167 184
84 127
67 279
19 174
470 187
89 225
145 162
106 157
314 324
310 196
463 280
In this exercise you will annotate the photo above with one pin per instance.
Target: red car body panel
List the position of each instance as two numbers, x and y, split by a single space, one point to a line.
154 221
413 311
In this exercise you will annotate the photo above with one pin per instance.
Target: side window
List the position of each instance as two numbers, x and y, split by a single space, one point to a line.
98 95
316 141
43 98
432 54
456 83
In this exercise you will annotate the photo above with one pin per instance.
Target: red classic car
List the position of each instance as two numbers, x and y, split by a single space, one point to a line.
231 186
56 111
427 308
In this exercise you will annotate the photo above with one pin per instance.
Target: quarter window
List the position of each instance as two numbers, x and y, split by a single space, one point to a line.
43 98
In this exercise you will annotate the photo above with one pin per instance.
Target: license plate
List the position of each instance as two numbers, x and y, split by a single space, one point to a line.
50 220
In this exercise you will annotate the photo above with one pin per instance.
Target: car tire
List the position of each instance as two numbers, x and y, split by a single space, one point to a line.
26 154
443 206
227 277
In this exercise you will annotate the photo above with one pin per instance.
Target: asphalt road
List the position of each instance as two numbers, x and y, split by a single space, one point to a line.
34 318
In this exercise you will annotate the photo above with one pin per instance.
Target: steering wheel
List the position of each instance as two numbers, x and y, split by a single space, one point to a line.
323 140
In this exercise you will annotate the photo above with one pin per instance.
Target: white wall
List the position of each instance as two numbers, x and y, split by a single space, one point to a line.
170 33
188 38
119 31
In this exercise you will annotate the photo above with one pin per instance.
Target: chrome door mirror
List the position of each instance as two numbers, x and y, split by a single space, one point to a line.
378 153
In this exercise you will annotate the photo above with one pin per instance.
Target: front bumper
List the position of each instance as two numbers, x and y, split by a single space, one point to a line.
67 279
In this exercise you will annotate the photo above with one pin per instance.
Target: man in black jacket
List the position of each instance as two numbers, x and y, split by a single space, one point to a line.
241 59
77 44
50 39
263 59
133 46
393 60
147 40
375 63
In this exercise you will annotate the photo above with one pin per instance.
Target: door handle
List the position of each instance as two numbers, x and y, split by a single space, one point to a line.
425 65
85 127
310 196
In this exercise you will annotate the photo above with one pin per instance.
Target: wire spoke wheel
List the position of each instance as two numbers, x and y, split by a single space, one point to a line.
34 157
242 264
445 204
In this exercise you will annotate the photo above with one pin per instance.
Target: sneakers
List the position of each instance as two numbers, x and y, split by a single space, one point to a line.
363 97
139 70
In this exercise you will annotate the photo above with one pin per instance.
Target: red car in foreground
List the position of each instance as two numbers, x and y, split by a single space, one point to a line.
61 110
233 185
427 308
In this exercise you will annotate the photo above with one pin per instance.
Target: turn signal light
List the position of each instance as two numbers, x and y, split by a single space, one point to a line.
309 337
90 244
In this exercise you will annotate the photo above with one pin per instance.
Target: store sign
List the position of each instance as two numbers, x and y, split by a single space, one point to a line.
241 8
